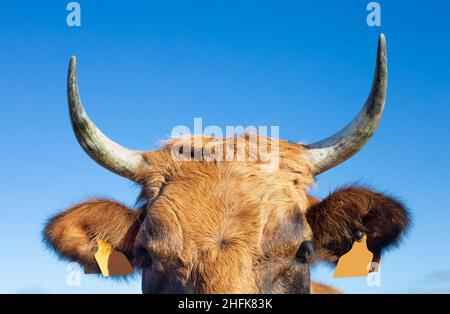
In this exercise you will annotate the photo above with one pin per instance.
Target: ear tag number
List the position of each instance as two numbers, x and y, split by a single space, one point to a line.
110 261
355 262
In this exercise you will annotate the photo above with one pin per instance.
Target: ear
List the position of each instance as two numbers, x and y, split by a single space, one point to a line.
73 234
336 220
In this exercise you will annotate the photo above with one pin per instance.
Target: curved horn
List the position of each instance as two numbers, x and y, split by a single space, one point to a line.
120 160
339 147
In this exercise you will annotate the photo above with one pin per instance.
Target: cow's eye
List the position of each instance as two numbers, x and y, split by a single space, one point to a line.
305 252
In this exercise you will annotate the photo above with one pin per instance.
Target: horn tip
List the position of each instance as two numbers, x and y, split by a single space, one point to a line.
382 41
381 51
73 60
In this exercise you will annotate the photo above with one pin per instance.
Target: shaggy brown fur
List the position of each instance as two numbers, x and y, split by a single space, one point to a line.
337 218
215 226
74 232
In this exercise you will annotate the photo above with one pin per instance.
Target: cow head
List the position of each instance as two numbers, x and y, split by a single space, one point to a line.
209 226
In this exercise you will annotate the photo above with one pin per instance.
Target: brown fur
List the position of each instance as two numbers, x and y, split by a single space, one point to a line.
214 226
215 209
335 220
319 288
74 232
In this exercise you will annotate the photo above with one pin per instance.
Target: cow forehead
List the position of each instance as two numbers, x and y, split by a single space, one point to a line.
275 169
229 210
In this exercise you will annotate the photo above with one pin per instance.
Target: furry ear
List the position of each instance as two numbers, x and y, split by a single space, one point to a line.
73 234
336 220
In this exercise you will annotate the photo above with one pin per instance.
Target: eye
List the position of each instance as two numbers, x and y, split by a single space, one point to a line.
142 258
305 252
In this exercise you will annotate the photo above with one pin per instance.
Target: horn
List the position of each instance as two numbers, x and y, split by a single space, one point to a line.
118 159
332 151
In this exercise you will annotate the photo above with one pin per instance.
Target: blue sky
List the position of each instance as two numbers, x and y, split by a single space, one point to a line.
145 67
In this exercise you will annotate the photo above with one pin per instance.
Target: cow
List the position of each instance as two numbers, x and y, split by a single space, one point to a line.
211 226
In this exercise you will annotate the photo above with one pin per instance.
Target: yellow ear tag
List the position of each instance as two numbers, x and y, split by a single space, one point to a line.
110 261
355 262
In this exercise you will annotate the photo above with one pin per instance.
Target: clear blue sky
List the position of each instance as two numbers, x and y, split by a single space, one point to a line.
145 67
